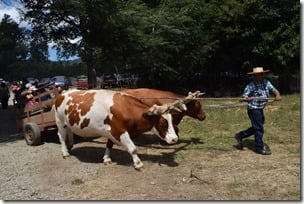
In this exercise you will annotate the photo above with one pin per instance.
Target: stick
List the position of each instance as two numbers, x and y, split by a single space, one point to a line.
215 99
239 99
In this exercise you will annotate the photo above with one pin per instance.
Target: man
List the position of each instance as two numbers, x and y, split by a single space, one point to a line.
259 87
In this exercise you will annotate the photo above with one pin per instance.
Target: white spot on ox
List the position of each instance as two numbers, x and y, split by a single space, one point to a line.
171 137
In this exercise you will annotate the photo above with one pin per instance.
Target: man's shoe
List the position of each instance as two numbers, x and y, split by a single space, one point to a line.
239 144
264 152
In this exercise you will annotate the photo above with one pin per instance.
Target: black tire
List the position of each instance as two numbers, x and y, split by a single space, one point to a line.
32 134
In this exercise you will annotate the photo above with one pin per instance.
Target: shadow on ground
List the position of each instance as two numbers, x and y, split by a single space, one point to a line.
50 136
8 126
121 157
250 144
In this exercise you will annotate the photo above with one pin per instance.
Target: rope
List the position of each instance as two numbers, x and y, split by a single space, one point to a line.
224 106
215 107
215 99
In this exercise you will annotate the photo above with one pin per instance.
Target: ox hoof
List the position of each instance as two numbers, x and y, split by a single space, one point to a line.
107 161
141 169
139 166
66 156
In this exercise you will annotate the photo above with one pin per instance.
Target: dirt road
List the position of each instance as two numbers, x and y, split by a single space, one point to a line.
30 173
40 172
185 171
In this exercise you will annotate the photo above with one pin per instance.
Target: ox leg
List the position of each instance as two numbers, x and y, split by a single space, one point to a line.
62 134
126 142
70 140
107 156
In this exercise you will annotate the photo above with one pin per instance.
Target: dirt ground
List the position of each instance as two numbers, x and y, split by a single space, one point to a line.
171 172
232 175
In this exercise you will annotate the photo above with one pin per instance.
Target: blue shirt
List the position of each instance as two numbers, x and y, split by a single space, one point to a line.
258 90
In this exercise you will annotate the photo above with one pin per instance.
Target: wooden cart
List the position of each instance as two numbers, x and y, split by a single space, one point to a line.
34 119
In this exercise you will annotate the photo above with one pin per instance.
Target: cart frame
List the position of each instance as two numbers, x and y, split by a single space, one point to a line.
34 119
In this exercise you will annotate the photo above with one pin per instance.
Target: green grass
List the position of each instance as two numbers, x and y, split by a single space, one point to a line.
282 126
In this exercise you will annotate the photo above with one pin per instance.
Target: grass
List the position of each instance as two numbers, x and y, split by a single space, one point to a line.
275 177
282 125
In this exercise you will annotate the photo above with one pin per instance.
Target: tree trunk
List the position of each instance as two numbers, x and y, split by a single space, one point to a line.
91 72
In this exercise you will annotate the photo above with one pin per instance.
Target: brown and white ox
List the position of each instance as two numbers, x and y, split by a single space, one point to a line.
114 115
153 96
159 97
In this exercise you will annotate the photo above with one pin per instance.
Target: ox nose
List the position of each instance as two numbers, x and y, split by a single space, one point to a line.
174 140
202 117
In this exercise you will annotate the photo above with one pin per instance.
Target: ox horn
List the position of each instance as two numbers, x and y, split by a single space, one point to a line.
191 96
195 94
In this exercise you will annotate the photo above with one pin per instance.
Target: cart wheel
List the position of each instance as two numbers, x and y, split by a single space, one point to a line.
32 134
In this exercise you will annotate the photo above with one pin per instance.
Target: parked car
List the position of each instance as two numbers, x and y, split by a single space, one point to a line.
109 80
127 80
73 81
32 80
62 81
82 82
3 81
44 81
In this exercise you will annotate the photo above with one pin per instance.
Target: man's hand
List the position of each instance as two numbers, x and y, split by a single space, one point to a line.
277 95
278 98
248 99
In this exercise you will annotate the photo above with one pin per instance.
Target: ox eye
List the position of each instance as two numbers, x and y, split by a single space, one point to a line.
164 124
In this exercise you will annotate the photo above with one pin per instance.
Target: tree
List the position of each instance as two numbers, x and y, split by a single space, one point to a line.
38 46
169 42
13 48
244 34
76 26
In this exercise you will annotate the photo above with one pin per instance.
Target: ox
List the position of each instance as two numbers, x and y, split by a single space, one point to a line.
159 97
194 108
114 115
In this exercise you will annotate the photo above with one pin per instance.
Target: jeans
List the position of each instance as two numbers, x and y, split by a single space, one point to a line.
257 127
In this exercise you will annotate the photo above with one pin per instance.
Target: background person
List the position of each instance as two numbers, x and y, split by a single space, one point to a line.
4 95
28 93
59 89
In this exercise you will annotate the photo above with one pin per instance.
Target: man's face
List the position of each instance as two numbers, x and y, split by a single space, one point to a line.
259 77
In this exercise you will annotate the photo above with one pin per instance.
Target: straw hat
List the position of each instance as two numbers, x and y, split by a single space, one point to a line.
258 70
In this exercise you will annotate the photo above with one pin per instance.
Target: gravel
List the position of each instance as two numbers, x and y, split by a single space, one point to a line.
40 172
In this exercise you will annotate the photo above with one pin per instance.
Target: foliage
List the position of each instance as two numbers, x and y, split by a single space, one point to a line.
172 44
12 46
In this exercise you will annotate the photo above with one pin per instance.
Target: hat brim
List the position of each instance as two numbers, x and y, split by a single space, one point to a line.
259 72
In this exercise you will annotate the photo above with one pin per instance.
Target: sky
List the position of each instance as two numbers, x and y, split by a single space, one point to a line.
11 7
